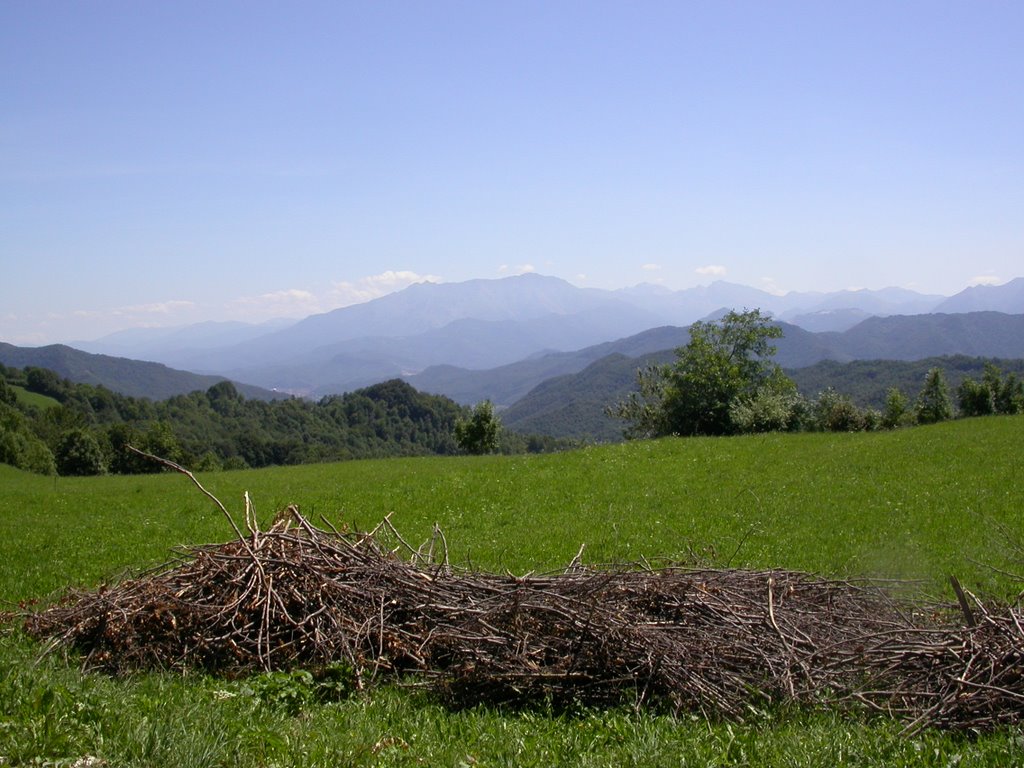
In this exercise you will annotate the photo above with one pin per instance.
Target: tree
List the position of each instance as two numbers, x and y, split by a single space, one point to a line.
7 394
933 403
896 413
159 440
1007 394
1010 398
19 447
79 454
479 433
225 398
724 362
976 398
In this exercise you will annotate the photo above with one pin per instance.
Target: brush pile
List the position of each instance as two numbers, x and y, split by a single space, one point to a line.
719 642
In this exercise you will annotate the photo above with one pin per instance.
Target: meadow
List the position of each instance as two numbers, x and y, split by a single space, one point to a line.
921 503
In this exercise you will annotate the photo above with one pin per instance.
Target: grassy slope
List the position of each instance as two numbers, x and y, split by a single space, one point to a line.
924 503
918 503
34 398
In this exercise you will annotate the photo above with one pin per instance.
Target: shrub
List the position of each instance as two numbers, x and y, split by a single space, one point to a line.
79 454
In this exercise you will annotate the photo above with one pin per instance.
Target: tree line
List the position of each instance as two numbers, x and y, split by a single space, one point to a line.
80 429
724 381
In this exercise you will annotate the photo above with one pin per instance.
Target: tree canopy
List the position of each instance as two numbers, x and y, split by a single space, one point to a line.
220 428
726 362
478 434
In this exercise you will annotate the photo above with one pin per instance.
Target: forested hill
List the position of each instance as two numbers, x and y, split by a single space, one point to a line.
135 378
48 423
574 406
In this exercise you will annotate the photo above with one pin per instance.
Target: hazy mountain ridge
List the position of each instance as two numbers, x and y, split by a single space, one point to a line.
573 405
569 388
468 343
484 324
136 378
981 334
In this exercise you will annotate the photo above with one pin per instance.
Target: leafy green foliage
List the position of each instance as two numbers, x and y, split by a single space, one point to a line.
835 412
478 434
19 446
771 409
220 428
79 454
993 394
297 690
896 413
933 402
868 382
724 362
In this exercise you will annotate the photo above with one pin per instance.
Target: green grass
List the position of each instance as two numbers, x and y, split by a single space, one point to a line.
42 402
920 503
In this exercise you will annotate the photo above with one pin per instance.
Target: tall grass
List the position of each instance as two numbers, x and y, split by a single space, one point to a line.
920 503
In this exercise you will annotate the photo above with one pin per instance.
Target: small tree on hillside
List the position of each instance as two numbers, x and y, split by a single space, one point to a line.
975 398
724 362
1007 393
479 433
896 413
933 403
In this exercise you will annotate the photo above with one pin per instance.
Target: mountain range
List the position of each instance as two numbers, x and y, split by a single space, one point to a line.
429 331
135 378
902 338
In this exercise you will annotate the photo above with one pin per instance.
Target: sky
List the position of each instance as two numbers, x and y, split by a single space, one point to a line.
165 163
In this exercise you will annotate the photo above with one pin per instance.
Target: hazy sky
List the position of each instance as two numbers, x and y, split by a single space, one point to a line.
169 162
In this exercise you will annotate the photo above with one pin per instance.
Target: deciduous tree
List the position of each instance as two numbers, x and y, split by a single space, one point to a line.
725 362
478 434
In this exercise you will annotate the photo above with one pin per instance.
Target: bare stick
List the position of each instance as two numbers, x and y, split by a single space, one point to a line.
577 562
178 468
962 599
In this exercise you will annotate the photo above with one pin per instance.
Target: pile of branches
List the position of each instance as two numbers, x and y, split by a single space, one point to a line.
719 642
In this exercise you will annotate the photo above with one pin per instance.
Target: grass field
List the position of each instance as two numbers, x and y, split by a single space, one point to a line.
921 503
34 398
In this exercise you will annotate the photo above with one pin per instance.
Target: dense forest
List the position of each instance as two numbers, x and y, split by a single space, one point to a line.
49 424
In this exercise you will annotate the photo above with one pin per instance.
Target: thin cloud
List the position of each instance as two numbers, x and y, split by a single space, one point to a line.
161 308
345 292
651 267
769 285
985 280
290 302
711 270
521 269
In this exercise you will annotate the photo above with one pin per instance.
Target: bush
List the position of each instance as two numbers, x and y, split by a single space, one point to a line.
79 454
838 413
769 411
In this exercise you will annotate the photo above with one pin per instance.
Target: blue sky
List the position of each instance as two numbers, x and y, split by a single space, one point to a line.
166 163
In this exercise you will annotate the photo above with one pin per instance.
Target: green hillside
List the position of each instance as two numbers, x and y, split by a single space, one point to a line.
134 378
916 503
573 406
34 399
